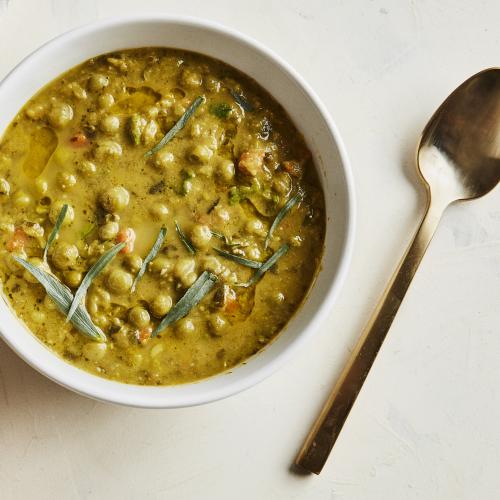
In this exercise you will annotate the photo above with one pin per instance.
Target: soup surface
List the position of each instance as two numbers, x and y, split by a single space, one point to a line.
187 255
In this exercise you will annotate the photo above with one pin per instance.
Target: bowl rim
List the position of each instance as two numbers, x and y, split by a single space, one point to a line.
334 287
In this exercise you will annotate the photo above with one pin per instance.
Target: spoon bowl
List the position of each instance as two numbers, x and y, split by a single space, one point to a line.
458 159
459 152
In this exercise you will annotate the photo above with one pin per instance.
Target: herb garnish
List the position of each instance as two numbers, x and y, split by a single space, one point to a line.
179 125
55 231
151 255
100 264
281 214
187 242
191 298
282 250
237 258
221 110
63 298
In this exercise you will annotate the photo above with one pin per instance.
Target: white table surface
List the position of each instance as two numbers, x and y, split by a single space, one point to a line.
426 424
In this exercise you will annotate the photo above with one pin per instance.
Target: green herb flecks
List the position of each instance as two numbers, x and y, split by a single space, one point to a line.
189 300
265 267
241 101
150 256
55 231
63 298
221 110
94 271
177 127
281 215
238 259
185 240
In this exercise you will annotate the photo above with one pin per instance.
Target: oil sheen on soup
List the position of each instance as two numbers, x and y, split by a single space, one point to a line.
161 218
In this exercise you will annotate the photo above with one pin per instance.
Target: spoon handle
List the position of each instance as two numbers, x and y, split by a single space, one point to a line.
328 425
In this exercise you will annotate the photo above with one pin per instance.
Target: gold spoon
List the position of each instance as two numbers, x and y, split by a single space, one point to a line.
458 158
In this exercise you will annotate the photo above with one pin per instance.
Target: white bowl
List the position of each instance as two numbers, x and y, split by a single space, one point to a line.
312 119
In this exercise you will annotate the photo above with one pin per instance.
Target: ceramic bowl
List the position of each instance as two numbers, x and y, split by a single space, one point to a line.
312 119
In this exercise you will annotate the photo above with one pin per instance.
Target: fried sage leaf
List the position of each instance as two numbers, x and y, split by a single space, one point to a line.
282 250
191 298
55 231
150 256
62 297
177 127
100 264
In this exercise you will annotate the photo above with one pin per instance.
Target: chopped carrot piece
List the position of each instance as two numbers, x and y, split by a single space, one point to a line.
251 162
18 240
79 140
144 334
293 168
126 235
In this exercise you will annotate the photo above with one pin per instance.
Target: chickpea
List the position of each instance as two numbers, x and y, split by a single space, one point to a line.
159 212
164 159
216 323
110 124
201 235
138 316
36 111
72 278
119 281
108 149
190 78
225 170
255 226
253 252
184 270
37 263
22 199
56 208
60 115
4 187
100 298
161 265
222 214
94 351
65 180
114 199
212 264
160 305
133 262
185 326
152 112
212 84
98 81
149 132
200 154
64 255
109 230
87 168
41 185
105 101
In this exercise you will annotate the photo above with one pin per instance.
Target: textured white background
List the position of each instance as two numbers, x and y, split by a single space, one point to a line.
426 425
